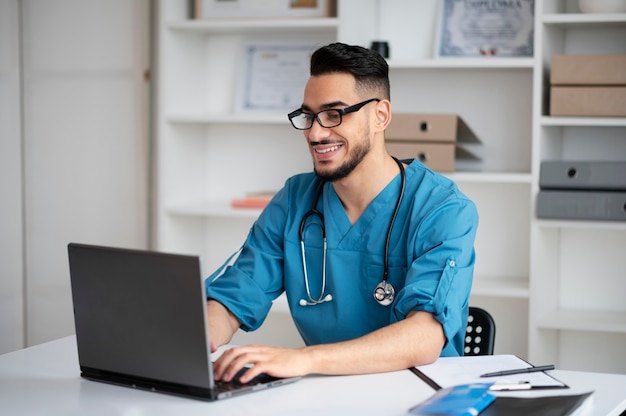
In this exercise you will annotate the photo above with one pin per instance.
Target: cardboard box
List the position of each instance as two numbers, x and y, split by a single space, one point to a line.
588 70
211 9
425 127
446 128
432 139
588 101
437 156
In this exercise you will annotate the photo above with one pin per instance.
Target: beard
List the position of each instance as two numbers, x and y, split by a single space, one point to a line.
358 154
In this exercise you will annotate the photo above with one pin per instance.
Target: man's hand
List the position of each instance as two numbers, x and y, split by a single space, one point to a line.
275 361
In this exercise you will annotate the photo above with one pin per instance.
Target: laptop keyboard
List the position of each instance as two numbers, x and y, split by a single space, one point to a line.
235 384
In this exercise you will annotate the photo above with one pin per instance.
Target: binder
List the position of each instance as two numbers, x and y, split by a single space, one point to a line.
582 205
547 405
583 175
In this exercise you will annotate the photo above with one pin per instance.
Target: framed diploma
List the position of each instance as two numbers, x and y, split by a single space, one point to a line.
273 76
475 28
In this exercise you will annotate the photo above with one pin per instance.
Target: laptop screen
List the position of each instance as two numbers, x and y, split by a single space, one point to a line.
140 314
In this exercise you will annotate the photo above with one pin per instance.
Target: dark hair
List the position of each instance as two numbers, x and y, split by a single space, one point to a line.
368 67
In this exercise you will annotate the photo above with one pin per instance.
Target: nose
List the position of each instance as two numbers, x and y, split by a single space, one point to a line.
317 133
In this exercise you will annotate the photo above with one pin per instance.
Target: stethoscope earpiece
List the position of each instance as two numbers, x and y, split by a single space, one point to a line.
313 302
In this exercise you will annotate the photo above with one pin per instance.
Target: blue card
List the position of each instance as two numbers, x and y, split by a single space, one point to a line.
461 400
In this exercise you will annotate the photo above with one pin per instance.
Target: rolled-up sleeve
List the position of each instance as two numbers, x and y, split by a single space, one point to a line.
439 277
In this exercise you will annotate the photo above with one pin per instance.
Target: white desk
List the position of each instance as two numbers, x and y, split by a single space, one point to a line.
44 380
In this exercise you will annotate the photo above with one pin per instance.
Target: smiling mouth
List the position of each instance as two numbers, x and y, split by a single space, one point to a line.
325 146
326 149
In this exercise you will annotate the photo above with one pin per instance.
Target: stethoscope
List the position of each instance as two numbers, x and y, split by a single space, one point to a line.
384 292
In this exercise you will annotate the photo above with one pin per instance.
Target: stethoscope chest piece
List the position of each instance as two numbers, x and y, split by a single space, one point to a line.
384 293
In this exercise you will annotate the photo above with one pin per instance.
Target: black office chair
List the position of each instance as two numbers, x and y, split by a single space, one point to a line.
480 334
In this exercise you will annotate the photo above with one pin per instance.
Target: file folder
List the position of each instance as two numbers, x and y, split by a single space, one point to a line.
582 205
583 175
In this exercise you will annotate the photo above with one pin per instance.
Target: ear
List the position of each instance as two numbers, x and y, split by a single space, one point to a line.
383 115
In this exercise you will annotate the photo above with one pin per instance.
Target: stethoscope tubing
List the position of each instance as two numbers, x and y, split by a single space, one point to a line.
393 219
313 301
388 291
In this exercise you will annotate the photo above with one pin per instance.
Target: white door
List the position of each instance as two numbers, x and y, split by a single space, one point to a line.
82 148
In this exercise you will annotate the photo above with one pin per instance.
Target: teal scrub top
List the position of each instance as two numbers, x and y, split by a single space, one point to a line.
431 260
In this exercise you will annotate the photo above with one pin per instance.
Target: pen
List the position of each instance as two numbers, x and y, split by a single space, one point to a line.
522 385
520 371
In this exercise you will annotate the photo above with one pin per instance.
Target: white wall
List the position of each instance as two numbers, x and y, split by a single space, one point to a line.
11 267
80 162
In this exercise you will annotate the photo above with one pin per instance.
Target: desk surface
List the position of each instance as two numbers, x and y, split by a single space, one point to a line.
45 380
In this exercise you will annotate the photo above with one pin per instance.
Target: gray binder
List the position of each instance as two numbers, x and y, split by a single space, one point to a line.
601 176
582 205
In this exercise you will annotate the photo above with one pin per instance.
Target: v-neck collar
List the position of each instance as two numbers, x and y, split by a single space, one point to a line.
340 232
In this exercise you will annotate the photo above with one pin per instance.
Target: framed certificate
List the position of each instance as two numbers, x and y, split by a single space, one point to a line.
470 28
273 76
216 9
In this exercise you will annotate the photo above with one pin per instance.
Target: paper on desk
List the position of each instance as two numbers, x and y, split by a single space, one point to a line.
452 371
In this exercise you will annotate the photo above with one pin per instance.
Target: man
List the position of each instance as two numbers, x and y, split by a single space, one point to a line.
376 256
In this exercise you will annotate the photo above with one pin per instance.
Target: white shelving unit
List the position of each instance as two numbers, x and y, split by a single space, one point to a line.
577 309
209 153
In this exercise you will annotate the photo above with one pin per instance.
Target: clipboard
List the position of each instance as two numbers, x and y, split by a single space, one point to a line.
450 371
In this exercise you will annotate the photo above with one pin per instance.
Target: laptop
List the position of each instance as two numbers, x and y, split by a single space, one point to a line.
140 320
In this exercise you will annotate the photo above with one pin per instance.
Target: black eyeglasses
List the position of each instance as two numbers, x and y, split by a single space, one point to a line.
327 118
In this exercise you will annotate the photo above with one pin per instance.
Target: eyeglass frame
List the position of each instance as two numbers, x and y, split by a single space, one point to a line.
341 111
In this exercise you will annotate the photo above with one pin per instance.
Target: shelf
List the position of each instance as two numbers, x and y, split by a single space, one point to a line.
580 320
212 209
463 63
583 225
585 19
251 118
279 118
583 121
222 208
509 287
490 177
237 26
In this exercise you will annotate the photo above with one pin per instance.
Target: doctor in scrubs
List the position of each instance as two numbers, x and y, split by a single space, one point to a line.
374 254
